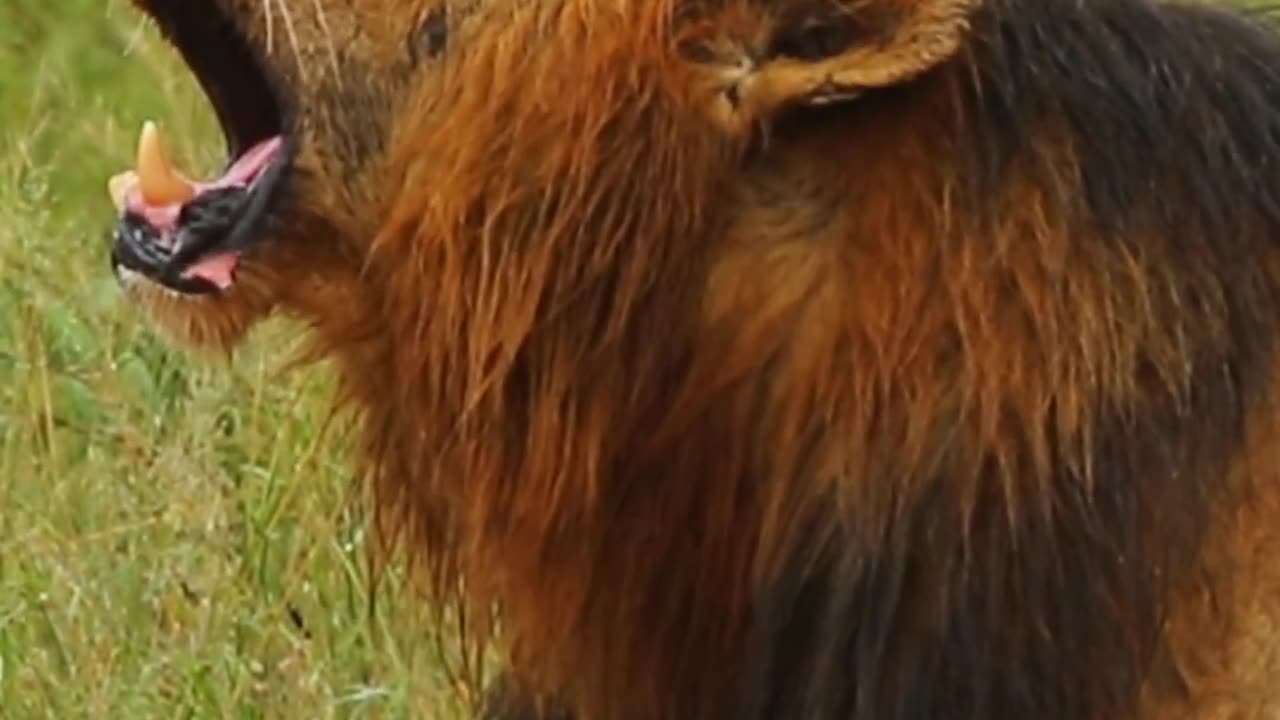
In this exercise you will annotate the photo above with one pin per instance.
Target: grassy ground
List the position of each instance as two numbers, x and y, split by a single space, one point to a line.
177 538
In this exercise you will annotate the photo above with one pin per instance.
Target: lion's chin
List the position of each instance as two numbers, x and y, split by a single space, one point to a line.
213 324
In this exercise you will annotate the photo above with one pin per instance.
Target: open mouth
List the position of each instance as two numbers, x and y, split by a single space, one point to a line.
188 235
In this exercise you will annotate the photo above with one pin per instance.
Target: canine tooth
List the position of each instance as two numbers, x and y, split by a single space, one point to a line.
160 184
119 186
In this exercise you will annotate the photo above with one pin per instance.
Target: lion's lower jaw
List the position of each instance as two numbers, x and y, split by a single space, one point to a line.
213 324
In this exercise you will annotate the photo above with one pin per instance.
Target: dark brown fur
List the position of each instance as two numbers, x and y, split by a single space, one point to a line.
949 400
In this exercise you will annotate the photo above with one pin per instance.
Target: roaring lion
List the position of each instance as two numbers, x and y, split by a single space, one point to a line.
872 359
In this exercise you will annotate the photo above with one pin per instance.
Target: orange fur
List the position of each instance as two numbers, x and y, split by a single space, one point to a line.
631 358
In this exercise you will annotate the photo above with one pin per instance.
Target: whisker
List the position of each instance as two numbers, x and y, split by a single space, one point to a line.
270 22
298 56
322 16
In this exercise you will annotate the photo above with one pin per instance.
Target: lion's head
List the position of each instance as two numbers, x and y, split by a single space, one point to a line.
332 109
692 333
306 95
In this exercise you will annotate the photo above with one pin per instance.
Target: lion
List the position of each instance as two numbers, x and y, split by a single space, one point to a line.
871 359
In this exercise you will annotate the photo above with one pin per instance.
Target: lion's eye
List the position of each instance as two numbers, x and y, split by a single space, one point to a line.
431 37
697 52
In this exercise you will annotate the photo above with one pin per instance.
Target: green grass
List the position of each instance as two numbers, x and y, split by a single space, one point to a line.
178 538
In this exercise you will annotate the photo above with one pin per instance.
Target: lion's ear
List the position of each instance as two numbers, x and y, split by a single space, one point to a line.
830 52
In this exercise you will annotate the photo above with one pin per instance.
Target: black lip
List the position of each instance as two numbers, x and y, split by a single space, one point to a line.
226 220
136 246
251 105
233 225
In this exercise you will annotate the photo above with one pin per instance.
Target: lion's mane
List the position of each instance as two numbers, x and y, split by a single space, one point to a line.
943 401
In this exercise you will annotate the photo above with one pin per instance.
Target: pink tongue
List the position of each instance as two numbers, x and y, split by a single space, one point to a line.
215 268
243 172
